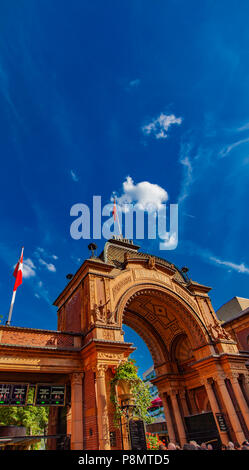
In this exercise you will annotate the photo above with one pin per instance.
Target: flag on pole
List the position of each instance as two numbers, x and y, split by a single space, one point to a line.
18 272
114 211
18 275
115 216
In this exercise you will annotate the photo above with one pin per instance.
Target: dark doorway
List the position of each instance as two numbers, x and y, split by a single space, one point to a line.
202 428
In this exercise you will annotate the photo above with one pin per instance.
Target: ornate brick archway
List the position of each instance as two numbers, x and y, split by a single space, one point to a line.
198 366
158 315
162 317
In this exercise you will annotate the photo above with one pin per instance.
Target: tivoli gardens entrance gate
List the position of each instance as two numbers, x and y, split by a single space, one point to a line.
201 377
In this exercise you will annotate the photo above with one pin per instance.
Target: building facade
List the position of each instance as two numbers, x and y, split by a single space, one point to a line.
201 369
156 410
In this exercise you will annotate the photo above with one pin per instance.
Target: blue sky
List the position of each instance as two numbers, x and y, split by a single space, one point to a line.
86 91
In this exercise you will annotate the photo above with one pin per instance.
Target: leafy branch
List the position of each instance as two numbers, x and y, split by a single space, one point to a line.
141 397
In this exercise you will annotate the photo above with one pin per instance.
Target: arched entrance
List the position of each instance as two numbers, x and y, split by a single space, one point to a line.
194 358
173 333
198 366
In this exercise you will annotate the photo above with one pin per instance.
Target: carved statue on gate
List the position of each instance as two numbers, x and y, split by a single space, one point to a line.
151 262
111 317
99 311
218 332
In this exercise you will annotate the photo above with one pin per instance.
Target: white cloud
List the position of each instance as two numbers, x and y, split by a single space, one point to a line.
74 176
145 195
159 126
51 267
240 268
28 268
170 243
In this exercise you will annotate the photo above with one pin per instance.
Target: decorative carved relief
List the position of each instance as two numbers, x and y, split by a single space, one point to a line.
122 283
105 355
76 378
185 296
186 318
109 334
92 291
217 332
151 262
99 313
100 370
150 273
111 318
19 359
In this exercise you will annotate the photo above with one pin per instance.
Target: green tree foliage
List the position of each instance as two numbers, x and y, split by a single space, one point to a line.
35 419
140 392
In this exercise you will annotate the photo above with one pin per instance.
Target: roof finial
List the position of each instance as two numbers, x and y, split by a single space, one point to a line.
92 247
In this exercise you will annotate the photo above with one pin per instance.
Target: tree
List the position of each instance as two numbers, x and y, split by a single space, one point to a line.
127 371
35 419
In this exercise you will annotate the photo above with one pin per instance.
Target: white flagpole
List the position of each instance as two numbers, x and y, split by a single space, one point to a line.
116 213
11 307
20 261
119 224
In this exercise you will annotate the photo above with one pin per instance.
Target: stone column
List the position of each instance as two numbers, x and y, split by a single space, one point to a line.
192 402
69 420
245 385
215 408
240 397
178 417
234 420
52 427
103 420
169 423
182 396
77 411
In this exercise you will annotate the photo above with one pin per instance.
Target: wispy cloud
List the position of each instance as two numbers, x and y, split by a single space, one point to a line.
74 176
185 160
226 150
207 256
134 83
240 268
245 127
41 292
29 269
159 126
50 266
39 251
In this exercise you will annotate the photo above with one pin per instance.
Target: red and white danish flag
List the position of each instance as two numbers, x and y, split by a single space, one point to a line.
18 272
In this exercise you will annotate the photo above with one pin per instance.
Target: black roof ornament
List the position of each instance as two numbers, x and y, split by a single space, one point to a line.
184 272
92 247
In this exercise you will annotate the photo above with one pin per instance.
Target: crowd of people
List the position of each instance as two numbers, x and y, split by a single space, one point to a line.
192 445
